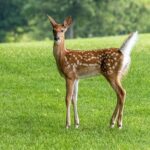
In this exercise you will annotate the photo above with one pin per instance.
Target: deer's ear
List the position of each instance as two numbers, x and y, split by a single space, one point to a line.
52 21
68 21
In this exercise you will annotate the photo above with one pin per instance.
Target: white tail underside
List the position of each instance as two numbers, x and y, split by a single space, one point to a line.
129 44
126 49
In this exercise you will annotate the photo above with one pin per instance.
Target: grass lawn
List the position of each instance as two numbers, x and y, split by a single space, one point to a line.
32 106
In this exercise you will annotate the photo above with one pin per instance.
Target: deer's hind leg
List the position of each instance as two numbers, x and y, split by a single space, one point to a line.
120 92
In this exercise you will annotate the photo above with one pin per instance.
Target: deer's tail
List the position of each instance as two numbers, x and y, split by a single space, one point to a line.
126 49
129 43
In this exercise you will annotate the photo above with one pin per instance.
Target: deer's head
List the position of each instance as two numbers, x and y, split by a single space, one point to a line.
60 29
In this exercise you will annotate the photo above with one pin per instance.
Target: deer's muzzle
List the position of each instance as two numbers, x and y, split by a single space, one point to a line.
56 38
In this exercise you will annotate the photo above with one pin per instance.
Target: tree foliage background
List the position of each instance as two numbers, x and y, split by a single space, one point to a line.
27 20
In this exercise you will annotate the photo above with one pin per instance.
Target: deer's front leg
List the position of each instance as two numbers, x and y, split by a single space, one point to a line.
69 91
74 102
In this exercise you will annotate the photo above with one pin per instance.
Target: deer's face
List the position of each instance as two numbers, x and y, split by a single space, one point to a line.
59 33
60 29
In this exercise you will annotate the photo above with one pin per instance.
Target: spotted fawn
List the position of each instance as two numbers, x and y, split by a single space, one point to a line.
73 65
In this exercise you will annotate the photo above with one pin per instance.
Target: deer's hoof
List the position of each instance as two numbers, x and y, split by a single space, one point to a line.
112 125
119 127
67 126
77 126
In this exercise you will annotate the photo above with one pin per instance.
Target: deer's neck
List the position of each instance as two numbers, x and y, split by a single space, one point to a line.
59 50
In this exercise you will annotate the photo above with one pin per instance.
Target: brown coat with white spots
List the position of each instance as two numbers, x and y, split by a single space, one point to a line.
80 64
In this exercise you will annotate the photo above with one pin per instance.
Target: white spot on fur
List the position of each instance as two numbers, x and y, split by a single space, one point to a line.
80 56
108 64
115 64
113 67
65 58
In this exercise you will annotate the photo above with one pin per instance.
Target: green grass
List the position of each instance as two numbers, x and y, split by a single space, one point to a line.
32 106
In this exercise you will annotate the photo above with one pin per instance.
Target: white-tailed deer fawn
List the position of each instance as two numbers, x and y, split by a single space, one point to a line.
112 63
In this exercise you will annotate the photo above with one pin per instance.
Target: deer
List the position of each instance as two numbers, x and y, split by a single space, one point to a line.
73 65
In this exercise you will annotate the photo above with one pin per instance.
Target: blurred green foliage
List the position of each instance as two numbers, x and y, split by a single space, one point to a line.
27 20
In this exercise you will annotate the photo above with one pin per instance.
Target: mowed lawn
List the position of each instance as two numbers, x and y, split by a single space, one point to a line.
32 105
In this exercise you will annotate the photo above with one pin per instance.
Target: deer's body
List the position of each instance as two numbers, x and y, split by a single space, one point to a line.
74 64
82 64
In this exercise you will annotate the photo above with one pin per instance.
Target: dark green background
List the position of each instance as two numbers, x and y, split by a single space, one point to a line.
25 20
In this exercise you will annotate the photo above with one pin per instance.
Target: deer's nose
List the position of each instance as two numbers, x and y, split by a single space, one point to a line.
56 38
